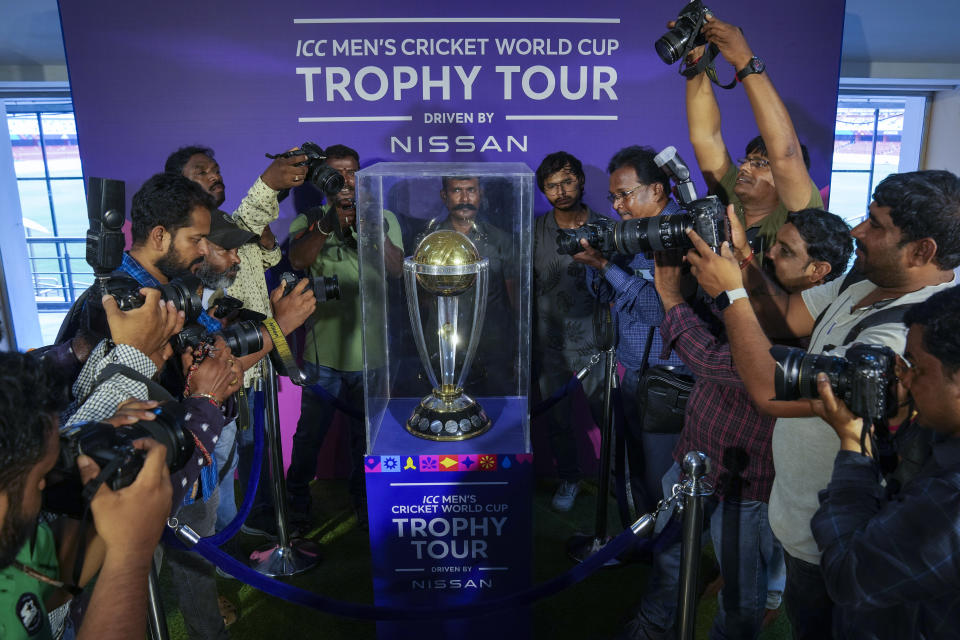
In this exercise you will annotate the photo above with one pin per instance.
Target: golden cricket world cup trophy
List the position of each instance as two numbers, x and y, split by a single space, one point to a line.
447 264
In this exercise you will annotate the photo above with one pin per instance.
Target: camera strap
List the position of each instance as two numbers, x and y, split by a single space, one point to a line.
281 354
706 63
154 389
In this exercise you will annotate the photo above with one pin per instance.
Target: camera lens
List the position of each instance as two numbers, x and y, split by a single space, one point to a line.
796 374
183 293
243 338
670 46
330 288
325 178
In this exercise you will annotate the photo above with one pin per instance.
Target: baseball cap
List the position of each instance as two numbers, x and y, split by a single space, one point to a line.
225 233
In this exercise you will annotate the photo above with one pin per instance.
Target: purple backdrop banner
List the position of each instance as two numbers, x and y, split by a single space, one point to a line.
404 81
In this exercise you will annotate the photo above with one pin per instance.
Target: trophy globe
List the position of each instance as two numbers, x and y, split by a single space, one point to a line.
447 265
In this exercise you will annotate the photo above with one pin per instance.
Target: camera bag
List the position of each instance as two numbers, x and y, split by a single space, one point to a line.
661 395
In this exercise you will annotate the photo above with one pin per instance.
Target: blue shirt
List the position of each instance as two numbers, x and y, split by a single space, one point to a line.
130 266
892 565
636 306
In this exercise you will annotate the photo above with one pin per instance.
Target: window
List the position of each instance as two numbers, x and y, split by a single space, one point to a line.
46 161
874 137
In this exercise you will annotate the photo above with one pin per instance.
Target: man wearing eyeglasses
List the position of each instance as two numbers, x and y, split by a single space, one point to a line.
773 177
563 315
638 189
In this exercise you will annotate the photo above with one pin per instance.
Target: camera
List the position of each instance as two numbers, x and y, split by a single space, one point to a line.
685 34
323 177
182 291
707 216
864 379
324 288
242 338
112 449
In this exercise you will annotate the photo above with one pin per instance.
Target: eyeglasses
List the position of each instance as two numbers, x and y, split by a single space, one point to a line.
623 195
901 367
565 185
756 163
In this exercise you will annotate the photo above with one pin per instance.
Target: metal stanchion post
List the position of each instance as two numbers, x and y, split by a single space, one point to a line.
694 488
581 547
289 556
156 618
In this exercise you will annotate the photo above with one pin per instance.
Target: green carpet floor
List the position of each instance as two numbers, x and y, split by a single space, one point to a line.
596 608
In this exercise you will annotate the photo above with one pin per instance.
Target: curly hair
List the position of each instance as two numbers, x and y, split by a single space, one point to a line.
166 200
32 394
939 315
177 160
558 161
827 236
925 204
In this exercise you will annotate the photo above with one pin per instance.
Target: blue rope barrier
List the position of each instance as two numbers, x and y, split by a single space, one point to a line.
360 611
319 390
558 395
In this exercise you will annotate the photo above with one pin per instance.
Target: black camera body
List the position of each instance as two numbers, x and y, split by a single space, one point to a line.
112 447
707 216
319 174
865 379
243 338
324 287
182 291
685 34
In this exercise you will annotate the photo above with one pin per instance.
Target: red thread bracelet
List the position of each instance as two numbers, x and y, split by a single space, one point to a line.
746 261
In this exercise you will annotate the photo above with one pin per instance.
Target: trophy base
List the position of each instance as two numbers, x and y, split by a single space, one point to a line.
446 421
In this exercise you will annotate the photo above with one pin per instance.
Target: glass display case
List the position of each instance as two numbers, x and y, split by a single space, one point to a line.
446 316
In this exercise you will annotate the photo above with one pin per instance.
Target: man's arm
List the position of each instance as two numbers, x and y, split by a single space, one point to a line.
631 294
260 206
748 344
703 123
794 185
308 235
130 522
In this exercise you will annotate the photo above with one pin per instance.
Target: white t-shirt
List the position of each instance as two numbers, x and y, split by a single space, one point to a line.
804 448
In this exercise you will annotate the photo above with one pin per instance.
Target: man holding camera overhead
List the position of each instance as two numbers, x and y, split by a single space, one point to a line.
906 251
324 242
772 178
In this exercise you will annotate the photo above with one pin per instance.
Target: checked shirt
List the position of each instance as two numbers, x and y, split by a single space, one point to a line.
721 419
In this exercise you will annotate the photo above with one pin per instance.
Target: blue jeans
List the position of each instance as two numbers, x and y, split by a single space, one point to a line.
744 545
316 416
227 509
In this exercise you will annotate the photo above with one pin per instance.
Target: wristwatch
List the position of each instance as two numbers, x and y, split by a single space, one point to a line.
726 298
755 65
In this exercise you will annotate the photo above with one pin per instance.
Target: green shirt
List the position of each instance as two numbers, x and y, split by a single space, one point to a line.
336 338
22 613
771 223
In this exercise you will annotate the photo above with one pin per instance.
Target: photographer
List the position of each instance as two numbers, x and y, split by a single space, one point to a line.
724 423
129 521
638 189
219 270
325 244
773 177
907 249
890 564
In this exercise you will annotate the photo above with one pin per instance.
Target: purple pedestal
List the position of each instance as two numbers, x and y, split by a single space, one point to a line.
450 522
